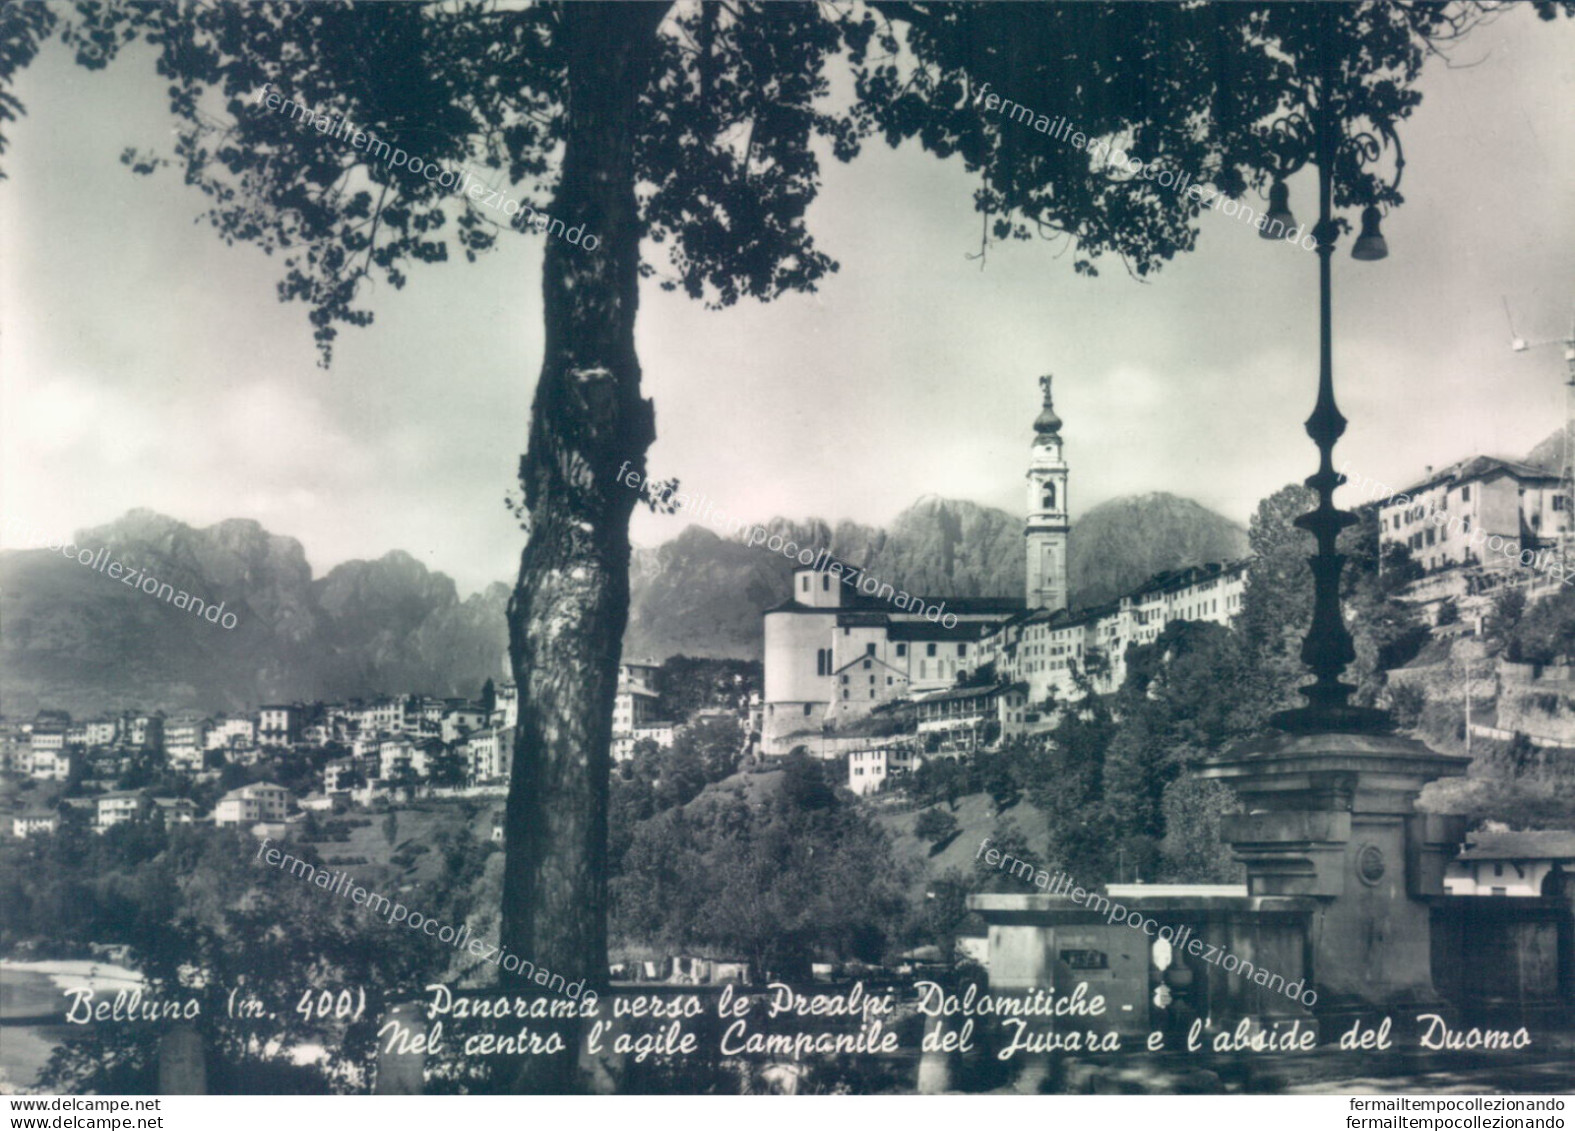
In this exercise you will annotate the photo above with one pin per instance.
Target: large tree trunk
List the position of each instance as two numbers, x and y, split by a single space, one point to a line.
571 603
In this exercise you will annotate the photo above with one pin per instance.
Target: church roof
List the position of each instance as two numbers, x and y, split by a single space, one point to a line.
923 630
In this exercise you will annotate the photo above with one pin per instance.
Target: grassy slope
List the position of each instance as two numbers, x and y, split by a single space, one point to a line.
976 819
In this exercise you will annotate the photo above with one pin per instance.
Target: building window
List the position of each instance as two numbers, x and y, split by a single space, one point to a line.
803 584
872 693
962 649
1049 498
888 681
867 667
1466 525
847 631
869 650
844 679
1465 494
1558 502
1500 891
825 582
1498 869
806 708
929 649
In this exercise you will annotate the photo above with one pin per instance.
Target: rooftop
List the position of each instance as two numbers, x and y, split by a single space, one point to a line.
1549 844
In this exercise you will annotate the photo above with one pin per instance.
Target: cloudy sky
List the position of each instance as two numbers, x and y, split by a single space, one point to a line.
145 364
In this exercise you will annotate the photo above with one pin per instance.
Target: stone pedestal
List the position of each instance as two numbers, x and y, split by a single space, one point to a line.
1333 817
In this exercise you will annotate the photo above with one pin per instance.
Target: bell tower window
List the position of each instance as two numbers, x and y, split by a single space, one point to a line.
1049 498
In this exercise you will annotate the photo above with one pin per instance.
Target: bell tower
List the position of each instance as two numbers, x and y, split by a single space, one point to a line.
1046 532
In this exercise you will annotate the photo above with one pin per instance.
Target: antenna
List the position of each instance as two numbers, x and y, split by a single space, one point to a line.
1565 502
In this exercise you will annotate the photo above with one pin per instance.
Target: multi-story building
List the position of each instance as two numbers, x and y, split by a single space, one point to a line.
634 706
339 775
488 754
186 742
141 731
14 749
834 651
1047 651
35 823
231 732
869 769
118 808
260 801
383 716
175 810
1449 517
278 724
460 719
100 732
44 753
959 719
53 763
401 754
506 711
46 739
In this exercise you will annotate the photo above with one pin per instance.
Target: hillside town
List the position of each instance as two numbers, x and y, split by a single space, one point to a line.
846 673
340 755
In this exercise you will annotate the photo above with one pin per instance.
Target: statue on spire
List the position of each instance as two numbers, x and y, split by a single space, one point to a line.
1048 422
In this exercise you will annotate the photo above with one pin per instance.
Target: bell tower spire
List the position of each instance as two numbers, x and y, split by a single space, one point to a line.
1047 529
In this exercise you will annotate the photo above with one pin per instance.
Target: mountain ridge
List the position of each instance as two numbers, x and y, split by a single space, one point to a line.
75 639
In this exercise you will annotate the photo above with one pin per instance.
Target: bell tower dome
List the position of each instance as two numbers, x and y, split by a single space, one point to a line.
1047 529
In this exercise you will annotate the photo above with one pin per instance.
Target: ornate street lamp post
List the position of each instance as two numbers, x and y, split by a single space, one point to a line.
1329 821
1328 648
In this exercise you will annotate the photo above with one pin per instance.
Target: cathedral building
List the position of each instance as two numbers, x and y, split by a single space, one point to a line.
834 651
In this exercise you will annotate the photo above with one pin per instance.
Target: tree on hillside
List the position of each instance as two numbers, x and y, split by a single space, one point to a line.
936 826
1278 603
1509 609
1544 633
717 744
1193 852
713 112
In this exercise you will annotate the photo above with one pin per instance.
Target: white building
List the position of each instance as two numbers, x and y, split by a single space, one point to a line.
837 649
49 761
100 732
338 774
488 754
231 732
34 824
506 711
1449 517
1526 864
384 716
186 742
635 708
460 720
118 808
278 724
175 810
260 801
869 769
397 754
